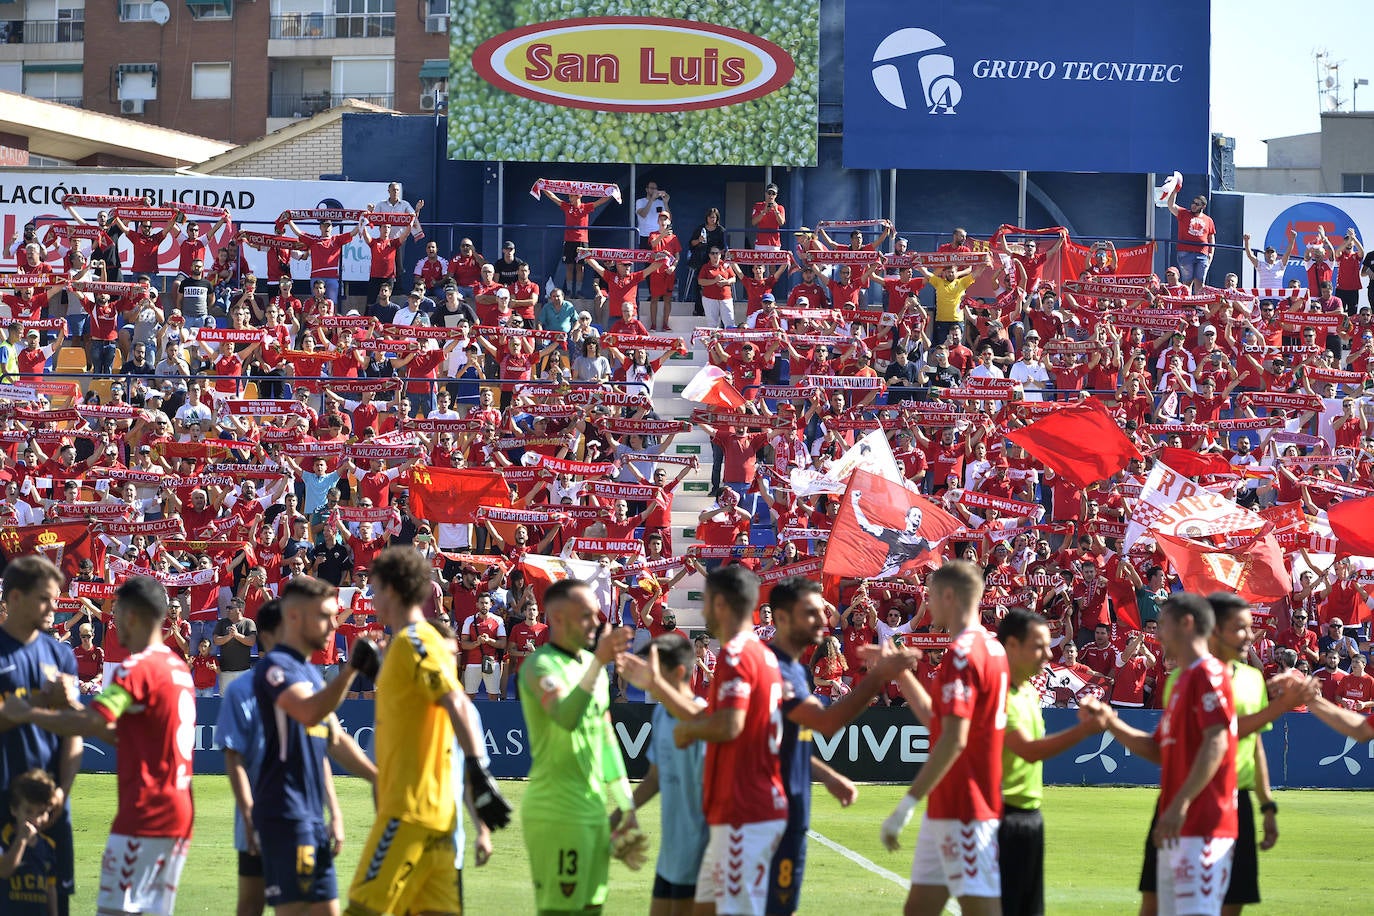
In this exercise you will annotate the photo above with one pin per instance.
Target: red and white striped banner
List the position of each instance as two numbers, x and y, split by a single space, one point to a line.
268 240
230 335
641 341
580 188
264 407
1282 400
144 214
25 280
942 259
1013 507
1104 288
632 492
753 256
320 214
103 201
520 516
845 382
620 547
636 255
842 256
575 468
1329 322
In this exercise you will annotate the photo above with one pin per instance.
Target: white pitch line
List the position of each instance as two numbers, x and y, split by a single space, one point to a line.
952 907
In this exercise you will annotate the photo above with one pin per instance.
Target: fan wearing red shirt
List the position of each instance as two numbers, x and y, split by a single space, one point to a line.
622 284
148 712
1133 665
742 795
526 636
384 249
768 216
1195 742
204 670
576 217
956 850
482 638
1100 654
146 242
1196 233
1355 692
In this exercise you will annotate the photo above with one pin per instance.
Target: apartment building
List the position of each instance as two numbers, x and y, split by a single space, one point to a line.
228 69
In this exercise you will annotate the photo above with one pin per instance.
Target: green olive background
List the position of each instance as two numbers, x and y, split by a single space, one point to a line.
485 123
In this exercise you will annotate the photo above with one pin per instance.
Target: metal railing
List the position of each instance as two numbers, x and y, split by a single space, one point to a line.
42 31
285 105
322 25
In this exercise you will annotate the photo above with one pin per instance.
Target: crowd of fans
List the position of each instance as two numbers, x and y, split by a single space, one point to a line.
235 430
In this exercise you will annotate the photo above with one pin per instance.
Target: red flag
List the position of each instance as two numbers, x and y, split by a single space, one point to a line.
1193 464
1352 521
885 530
1080 442
452 495
65 545
1254 569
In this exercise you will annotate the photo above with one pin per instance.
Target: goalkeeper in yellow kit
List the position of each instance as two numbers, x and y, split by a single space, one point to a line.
565 696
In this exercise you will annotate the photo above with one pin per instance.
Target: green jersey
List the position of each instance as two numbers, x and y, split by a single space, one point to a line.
1250 696
1023 782
573 747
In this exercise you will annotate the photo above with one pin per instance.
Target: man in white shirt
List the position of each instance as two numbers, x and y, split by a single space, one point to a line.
394 204
1269 272
647 209
411 313
1030 371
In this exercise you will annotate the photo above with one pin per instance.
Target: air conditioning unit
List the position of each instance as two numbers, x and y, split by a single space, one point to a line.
436 23
427 101
435 98
131 106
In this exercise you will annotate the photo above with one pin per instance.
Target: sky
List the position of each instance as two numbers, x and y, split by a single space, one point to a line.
1264 80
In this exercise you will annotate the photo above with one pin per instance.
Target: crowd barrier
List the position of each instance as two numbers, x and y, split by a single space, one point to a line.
882 745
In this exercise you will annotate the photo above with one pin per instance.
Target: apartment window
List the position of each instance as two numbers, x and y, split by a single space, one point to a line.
56 82
210 9
436 15
368 79
136 11
1357 182
136 82
365 18
210 81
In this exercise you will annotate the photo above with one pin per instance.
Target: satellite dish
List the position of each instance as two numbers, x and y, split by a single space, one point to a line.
159 12
1333 103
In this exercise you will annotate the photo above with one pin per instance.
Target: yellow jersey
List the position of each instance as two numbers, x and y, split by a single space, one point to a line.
414 737
949 297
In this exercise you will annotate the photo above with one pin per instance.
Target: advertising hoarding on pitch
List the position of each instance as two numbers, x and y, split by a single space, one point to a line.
702 83
988 85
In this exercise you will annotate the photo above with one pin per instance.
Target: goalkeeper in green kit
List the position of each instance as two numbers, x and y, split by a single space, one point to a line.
577 767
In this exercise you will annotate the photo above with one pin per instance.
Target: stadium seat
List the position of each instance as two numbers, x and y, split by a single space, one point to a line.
101 386
250 391
118 360
71 359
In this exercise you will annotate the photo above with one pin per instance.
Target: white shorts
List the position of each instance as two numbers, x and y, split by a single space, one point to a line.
961 856
474 679
1192 876
734 869
139 874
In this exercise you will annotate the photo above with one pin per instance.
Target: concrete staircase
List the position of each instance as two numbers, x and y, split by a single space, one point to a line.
693 495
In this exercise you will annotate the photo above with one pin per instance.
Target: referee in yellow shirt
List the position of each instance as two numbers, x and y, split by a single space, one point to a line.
1021 836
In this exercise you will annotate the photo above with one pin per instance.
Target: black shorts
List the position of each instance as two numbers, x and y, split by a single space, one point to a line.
570 251
1351 299
1021 839
250 865
1148 884
1244 887
785 874
667 890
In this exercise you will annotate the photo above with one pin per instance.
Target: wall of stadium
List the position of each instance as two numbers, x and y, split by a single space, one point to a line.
882 745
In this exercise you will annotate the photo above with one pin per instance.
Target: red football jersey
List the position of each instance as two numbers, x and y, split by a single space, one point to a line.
1201 698
153 706
744 776
971 684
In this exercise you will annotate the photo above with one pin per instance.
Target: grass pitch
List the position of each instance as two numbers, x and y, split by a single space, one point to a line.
1094 840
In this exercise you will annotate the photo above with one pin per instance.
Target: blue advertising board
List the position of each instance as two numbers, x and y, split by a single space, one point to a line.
991 85
882 745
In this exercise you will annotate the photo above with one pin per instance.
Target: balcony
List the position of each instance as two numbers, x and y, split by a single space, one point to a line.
42 31
305 106
321 26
